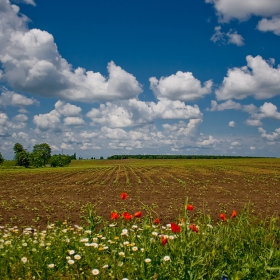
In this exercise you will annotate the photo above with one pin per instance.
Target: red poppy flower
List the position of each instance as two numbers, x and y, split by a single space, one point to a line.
127 216
193 228
138 214
157 221
114 215
175 228
163 240
190 207
233 215
124 196
223 217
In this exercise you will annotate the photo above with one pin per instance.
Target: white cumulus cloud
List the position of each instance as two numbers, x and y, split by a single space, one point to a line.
67 109
261 82
182 129
229 104
252 122
182 86
3 118
20 118
211 141
243 10
14 99
267 110
66 146
272 25
31 63
269 137
47 121
232 105
88 135
235 38
232 124
29 2
135 112
23 135
75 121
231 37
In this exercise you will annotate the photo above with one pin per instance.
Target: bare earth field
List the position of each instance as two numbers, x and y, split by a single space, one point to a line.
33 197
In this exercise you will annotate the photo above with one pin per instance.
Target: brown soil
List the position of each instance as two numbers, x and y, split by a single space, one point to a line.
37 196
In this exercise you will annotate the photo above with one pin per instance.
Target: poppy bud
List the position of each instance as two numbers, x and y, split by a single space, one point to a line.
223 217
124 196
138 214
157 221
233 215
190 207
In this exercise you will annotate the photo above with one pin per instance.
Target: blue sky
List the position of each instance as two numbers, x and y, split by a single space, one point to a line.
134 77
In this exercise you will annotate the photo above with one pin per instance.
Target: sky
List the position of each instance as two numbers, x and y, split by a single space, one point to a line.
106 77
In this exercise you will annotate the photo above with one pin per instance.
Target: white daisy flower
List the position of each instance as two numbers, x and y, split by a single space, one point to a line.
95 271
122 254
166 258
95 245
77 257
84 240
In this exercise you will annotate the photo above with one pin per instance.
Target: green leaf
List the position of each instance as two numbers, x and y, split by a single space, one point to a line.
273 268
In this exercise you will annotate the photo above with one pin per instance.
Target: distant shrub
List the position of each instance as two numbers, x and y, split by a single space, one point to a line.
60 160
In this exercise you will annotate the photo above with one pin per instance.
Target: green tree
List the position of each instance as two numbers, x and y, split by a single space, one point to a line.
36 159
1 158
23 158
42 151
18 148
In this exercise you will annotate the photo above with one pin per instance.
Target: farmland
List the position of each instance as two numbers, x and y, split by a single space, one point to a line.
159 187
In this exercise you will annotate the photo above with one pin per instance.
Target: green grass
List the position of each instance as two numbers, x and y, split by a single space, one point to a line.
10 164
238 248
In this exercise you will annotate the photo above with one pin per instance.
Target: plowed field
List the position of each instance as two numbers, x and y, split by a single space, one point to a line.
36 196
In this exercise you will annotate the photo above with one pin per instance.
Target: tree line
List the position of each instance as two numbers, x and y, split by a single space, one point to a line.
39 157
174 157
